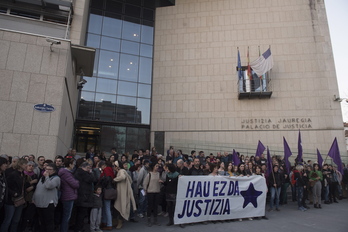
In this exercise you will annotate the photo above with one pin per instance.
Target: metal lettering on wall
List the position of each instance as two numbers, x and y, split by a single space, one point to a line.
276 124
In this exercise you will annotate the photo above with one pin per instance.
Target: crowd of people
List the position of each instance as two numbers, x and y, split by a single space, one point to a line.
34 192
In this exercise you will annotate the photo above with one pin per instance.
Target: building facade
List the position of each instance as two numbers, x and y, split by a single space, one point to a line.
164 74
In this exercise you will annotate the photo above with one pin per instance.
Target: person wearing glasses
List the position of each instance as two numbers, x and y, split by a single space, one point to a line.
46 197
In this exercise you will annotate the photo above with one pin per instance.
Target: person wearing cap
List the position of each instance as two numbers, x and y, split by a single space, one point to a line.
125 199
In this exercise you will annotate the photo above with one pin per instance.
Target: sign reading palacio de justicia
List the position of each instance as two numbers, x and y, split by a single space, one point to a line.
276 123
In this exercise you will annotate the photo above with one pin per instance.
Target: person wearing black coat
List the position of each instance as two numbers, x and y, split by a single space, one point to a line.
84 199
300 186
15 181
171 184
275 181
3 181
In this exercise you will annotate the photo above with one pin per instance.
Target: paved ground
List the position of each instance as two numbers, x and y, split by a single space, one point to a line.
333 218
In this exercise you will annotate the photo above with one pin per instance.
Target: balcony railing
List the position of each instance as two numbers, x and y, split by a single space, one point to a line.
254 86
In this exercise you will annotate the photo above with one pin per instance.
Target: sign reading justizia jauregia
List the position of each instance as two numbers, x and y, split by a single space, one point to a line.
276 124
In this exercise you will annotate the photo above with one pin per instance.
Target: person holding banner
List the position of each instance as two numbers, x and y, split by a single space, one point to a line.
213 169
275 182
152 188
171 184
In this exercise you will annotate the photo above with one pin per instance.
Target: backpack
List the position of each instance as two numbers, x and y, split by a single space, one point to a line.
293 180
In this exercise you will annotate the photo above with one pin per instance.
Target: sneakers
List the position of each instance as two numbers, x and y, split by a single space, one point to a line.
302 208
140 215
250 219
165 215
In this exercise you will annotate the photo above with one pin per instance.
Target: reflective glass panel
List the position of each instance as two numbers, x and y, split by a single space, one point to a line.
87 96
105 109
127 88
96 62
146 34
144 107
93 40
131 31
109 43
129 67
106 85
108 64
95 23
126 109
146 50
90 85
112 27
130 47
144 90
107 98
145 70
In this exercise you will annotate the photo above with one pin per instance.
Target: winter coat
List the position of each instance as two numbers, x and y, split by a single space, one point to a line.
15 183
124 194
85 191
69 185
47 192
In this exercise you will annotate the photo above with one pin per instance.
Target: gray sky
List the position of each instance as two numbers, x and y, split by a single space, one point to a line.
337 14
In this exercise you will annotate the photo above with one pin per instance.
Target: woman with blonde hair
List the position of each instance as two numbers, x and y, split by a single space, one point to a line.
125 198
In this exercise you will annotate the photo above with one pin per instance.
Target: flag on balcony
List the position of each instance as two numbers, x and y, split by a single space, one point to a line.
287 154
249 69
334 153
262 64
239 68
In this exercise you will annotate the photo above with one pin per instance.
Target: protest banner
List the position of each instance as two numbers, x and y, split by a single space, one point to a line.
210 198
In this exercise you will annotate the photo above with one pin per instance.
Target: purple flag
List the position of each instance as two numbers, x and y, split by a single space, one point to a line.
334 153
320 159
260 149
269 163
287 154
235 158
299 146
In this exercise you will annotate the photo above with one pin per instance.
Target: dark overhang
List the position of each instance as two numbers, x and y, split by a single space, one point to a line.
84 58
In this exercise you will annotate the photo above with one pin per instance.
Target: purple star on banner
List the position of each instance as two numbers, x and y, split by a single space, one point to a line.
250 196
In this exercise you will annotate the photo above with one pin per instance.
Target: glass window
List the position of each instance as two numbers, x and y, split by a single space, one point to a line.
130 47
146 50
127 88
105 109
144 90
131 31
146 34
144 108
105 98
96 62
95 23
90 85
97 4
126 109
145 70
106 85
129 67
108 64
148 14
93 40
109 43
87 96
86 107
113 6
133 11
112 25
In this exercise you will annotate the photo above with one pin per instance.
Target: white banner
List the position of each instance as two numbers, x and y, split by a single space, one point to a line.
209 198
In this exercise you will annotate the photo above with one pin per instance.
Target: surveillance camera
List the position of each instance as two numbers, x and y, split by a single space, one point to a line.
82 82
53 41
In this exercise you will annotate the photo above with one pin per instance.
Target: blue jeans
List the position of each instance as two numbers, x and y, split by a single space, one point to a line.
299 196
142 203
106 214
67 209
12 218
275 193
327 192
